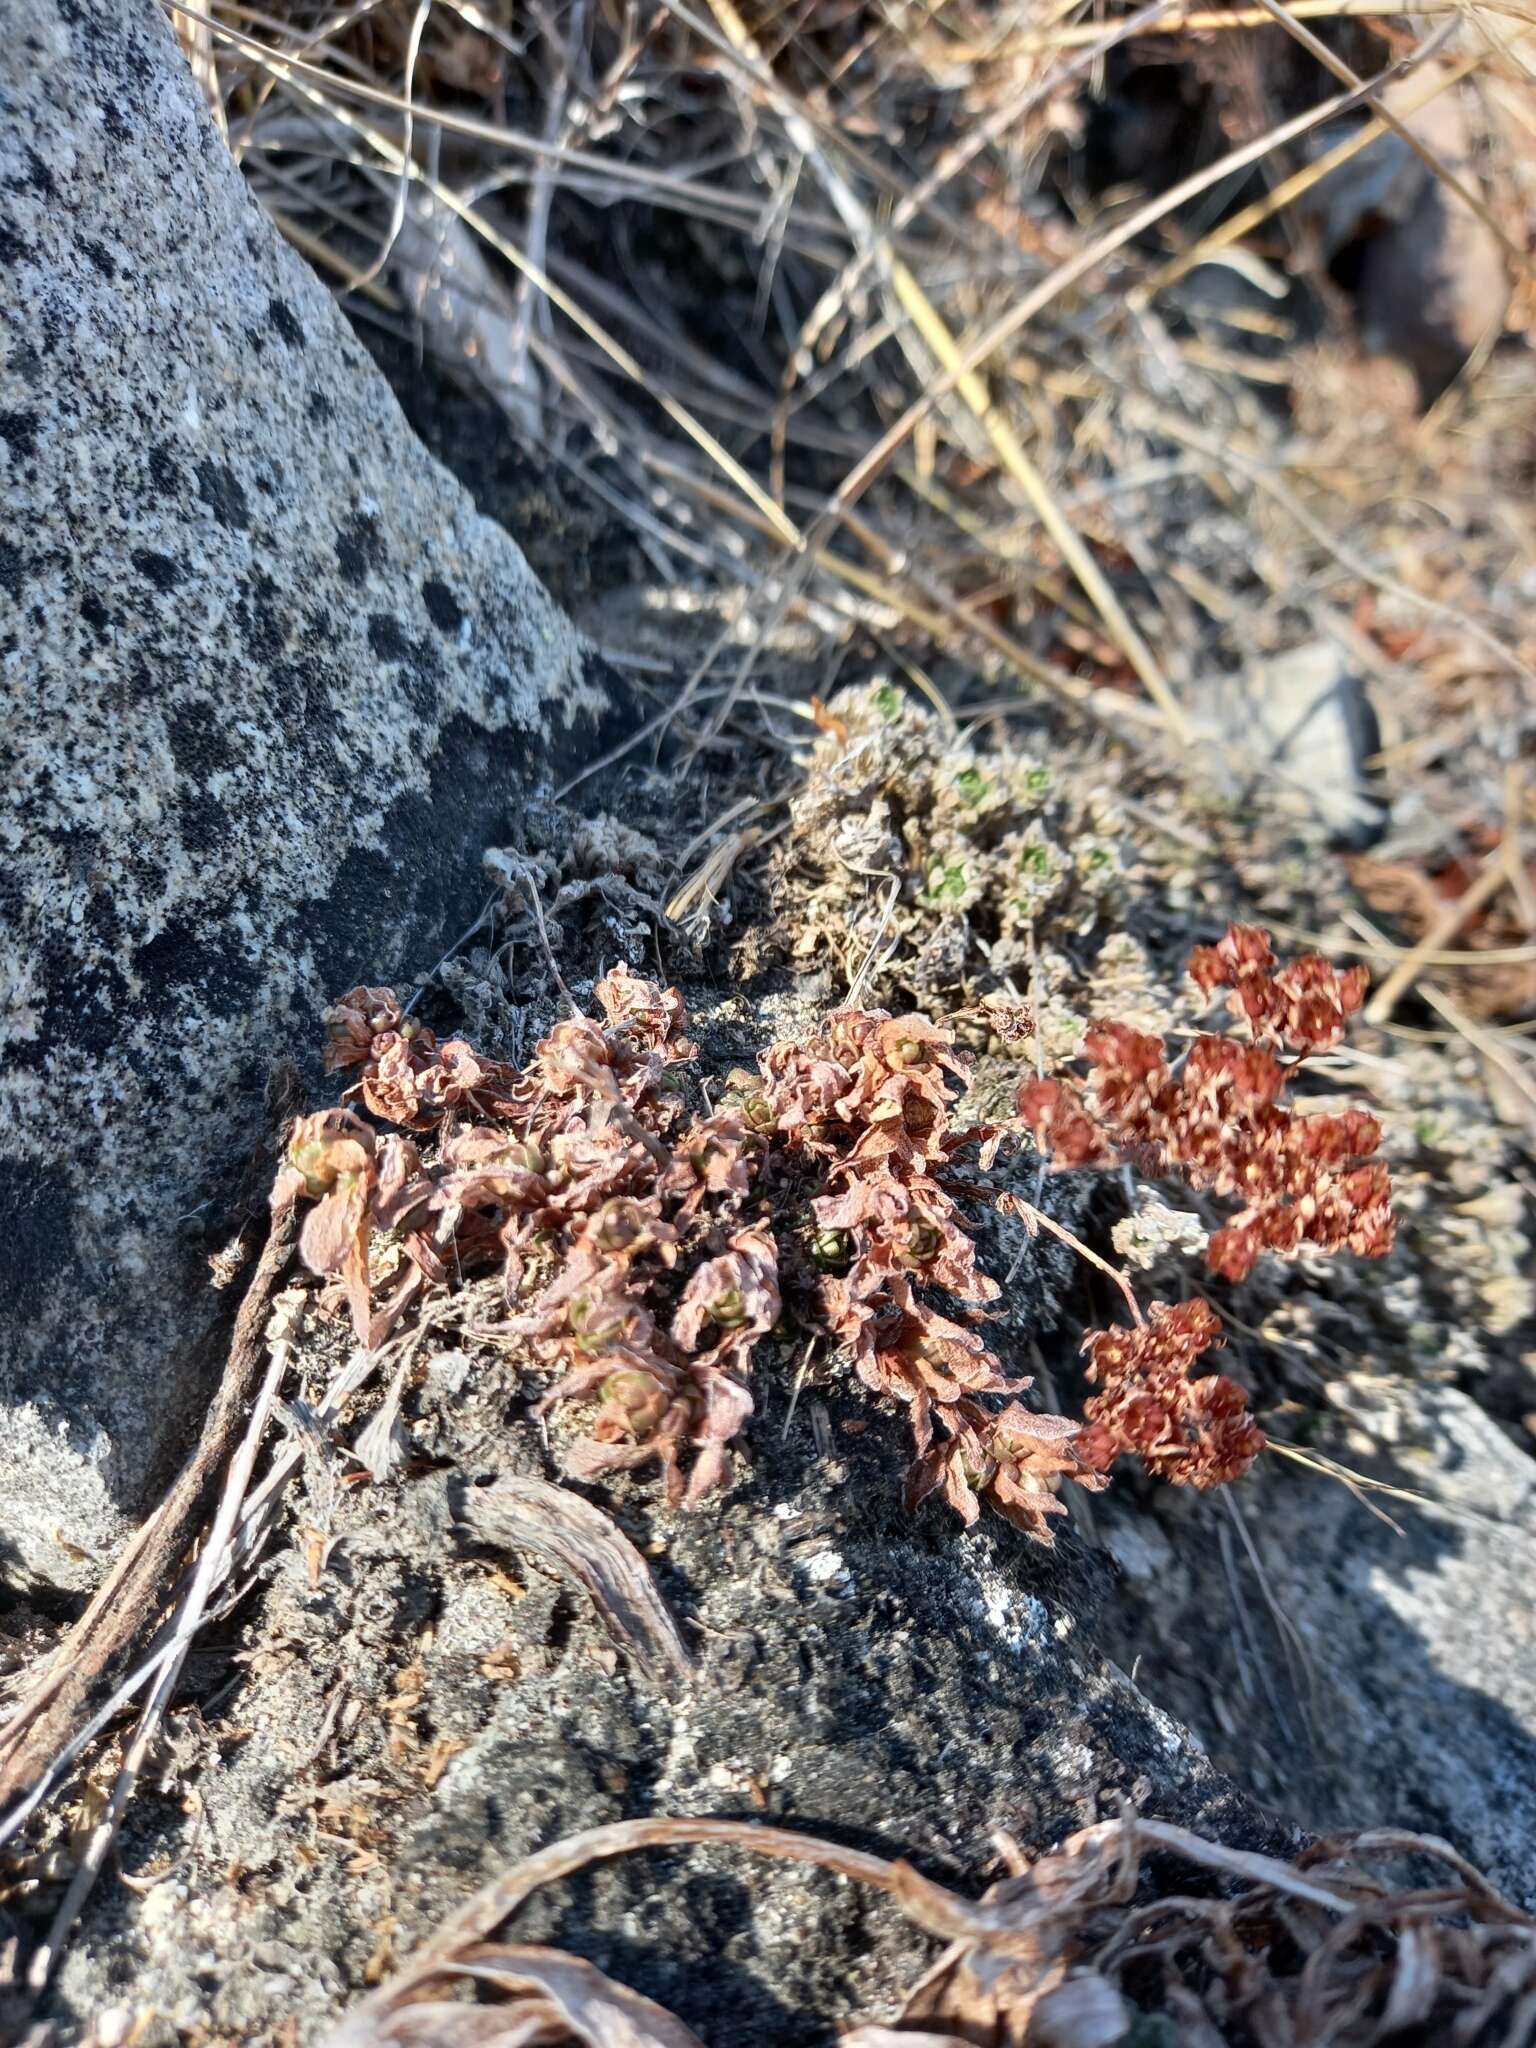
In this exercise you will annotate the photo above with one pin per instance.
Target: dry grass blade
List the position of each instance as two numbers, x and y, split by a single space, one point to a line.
1011 454
696 900
932 611
255 1519
1457 915
320 253
1362 1486
1035 1219
1229 454
197 45
1489 1043
481 1915
544 1995
281 1333
980 135
519 1513
1032 303
1009 450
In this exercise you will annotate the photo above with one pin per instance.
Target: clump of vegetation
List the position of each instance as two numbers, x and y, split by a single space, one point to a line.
647 1246
862 1108
1214 1118
907 840
1218 1122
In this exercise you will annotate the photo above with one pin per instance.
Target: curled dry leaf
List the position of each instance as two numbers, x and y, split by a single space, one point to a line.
546 1999
330 1159
520 1513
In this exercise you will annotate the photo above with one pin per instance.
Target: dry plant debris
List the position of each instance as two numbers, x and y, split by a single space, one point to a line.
646 1247
522 1514
1012 324
1131 1932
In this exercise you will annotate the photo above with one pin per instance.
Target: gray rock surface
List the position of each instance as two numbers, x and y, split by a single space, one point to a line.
436 1707
1384 1672
270 685
1304 723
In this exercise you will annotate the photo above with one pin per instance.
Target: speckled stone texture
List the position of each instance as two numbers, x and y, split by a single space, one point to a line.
437 1707
270 686
1404 1694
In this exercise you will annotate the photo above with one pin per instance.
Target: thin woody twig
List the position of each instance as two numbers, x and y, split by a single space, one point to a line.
278 1336
137 1588
1452 921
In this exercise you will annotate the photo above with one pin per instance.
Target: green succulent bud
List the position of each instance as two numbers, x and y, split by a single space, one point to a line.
641 1397
310 1159
728 1311
947 882
745 1096
831 1250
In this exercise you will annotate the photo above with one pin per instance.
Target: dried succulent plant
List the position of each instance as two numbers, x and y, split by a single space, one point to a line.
646 1248
1217 1122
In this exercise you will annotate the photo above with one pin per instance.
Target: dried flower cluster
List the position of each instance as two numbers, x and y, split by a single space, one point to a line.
1218 1122
1305 1006
1190 1432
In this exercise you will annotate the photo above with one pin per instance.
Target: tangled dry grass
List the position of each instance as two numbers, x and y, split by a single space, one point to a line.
854 317
1131 1932
1017 347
